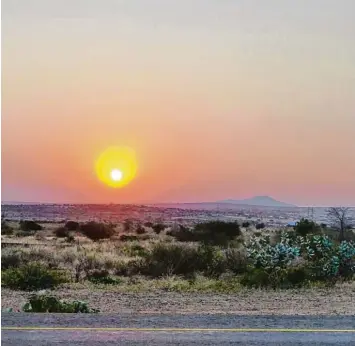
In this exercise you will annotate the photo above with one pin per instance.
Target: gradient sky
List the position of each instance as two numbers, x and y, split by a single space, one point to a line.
219 98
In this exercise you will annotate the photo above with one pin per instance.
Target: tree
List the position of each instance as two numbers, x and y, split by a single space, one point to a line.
340 219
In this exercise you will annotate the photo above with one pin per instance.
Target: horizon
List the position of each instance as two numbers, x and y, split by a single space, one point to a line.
214 99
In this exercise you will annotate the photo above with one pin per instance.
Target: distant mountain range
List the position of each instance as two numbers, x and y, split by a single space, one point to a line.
264 201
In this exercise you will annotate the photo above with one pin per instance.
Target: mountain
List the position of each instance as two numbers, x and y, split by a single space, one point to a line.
264 201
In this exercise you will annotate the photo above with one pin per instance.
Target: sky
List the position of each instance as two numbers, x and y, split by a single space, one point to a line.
219 99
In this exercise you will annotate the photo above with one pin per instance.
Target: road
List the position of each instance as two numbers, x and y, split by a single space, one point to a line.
93 330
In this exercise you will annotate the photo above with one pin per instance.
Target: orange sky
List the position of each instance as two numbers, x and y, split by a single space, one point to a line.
219 99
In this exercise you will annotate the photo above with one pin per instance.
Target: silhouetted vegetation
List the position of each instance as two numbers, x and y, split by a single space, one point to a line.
61 232
28 225
96 230
260 225
72 225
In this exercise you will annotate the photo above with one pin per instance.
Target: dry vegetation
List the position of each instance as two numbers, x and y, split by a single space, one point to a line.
136 267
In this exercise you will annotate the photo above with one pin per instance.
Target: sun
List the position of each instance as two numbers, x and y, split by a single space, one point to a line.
116 175
116 166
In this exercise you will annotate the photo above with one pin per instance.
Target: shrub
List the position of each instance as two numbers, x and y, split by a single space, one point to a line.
148 224
10 258
72 225
260 225
158 228
32 276
6 229
126 237
96 230
28 225
305 227
47 303
140 230
182 233
176 259
171 259
102 276
236 260
246 224
127 225
216 232
281 278
61 232
70 238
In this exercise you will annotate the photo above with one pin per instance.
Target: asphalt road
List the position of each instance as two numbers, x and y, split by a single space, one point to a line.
60 329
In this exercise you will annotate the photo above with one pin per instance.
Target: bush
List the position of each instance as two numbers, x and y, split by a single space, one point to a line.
176 259
282 278
216 232
140 230
246 224
6 229
260 225
126 237
127 225
72 226
28 225
10 258
236 260
158 228
32 276
305 227
102 276
148 224
51 304
96 230
61 232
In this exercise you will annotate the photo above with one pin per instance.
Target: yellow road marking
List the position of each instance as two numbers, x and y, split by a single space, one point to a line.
186 330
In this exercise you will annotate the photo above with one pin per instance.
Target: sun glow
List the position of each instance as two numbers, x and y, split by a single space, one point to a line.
116 166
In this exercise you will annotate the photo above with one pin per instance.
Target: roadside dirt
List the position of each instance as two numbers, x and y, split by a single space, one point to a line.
335 301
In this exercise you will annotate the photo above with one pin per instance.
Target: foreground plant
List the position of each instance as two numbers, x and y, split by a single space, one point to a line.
48 303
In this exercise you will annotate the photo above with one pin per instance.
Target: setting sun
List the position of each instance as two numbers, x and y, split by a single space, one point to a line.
116 166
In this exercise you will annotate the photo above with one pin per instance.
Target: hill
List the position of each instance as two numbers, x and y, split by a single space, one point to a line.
264 201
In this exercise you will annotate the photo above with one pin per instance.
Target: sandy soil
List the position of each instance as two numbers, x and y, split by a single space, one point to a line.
339 300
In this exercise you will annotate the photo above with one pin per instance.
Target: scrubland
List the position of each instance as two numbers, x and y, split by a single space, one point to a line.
212 267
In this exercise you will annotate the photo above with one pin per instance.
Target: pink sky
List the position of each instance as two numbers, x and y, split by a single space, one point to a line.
219 99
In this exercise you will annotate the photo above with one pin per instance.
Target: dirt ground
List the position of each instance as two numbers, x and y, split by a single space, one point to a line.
334 301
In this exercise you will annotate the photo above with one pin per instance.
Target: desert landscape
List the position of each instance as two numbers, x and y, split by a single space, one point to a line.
159 259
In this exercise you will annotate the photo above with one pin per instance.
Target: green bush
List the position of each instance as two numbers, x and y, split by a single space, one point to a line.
51 304
246 224
32 276
61 232
102 276
72 225
280 278
305 227
236 260
29 225
176 259
216 232
10 258
96 230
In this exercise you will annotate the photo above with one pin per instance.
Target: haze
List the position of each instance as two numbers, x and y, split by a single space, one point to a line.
220 99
